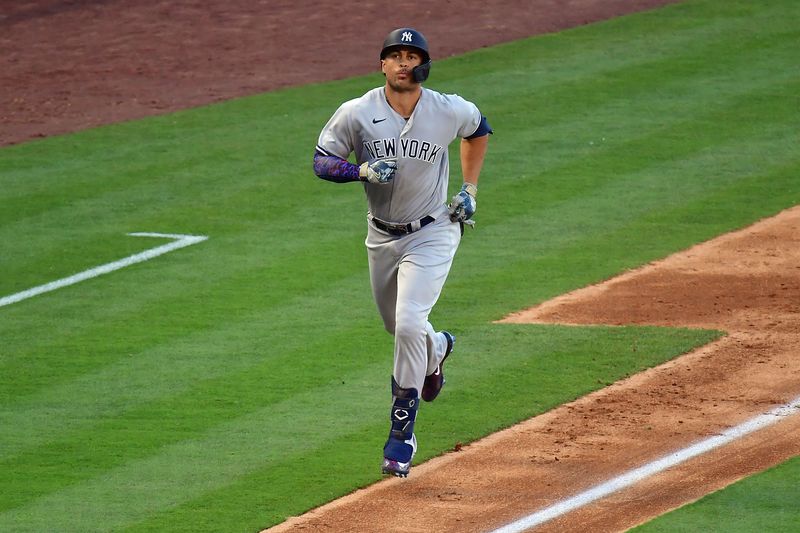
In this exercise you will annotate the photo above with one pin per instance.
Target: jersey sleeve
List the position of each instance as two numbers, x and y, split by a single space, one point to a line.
337 136
468 117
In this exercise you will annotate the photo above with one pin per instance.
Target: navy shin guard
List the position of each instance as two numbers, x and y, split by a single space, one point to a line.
402 444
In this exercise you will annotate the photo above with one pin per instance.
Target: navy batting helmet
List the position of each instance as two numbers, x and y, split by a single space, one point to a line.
414 39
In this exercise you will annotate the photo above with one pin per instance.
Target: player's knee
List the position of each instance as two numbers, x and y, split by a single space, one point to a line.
409 329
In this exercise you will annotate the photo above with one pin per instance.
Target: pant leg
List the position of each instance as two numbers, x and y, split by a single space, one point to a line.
422 272
436 345
383 256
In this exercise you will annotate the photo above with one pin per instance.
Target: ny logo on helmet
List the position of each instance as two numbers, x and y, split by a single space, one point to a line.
407 37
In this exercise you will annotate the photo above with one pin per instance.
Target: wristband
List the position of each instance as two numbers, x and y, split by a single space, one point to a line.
471 189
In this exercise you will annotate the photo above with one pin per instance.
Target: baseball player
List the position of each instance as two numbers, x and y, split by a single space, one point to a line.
400 134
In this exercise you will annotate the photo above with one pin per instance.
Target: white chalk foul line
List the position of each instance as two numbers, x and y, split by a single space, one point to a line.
179 241
634 476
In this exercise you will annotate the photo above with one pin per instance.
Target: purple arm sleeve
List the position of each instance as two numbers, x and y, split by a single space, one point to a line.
332 168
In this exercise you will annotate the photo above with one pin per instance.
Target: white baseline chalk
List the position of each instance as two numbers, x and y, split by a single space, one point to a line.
634 476
179 241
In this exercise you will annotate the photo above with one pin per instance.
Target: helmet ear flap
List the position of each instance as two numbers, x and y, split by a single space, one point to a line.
421 72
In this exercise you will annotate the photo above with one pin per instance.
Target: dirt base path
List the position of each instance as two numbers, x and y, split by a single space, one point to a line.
746 283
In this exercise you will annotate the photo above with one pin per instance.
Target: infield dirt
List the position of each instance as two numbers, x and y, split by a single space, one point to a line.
70 65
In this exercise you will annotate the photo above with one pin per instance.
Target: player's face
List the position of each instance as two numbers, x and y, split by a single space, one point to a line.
397 66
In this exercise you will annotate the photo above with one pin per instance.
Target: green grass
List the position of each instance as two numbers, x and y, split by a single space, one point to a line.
230 384
764 502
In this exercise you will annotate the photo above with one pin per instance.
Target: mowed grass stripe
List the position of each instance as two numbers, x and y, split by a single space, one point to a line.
672 73
110 382
158 187
170 318
239 405
634 104
763 502
594 51
141 206
191 467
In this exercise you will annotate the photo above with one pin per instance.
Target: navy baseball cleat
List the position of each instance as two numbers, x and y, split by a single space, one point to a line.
434 383
403 453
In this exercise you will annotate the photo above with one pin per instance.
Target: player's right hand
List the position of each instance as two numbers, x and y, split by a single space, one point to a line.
378 171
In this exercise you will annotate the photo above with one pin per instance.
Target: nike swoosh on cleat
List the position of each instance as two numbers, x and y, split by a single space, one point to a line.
375 121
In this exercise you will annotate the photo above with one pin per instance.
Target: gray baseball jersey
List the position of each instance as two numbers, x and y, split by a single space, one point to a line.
407 272
370 128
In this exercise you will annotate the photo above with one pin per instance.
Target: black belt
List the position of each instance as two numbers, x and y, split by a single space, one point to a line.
402 229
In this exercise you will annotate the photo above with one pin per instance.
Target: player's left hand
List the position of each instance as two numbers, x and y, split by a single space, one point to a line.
463 205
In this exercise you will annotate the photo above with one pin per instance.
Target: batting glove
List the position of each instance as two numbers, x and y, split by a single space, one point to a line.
464 204
378 171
